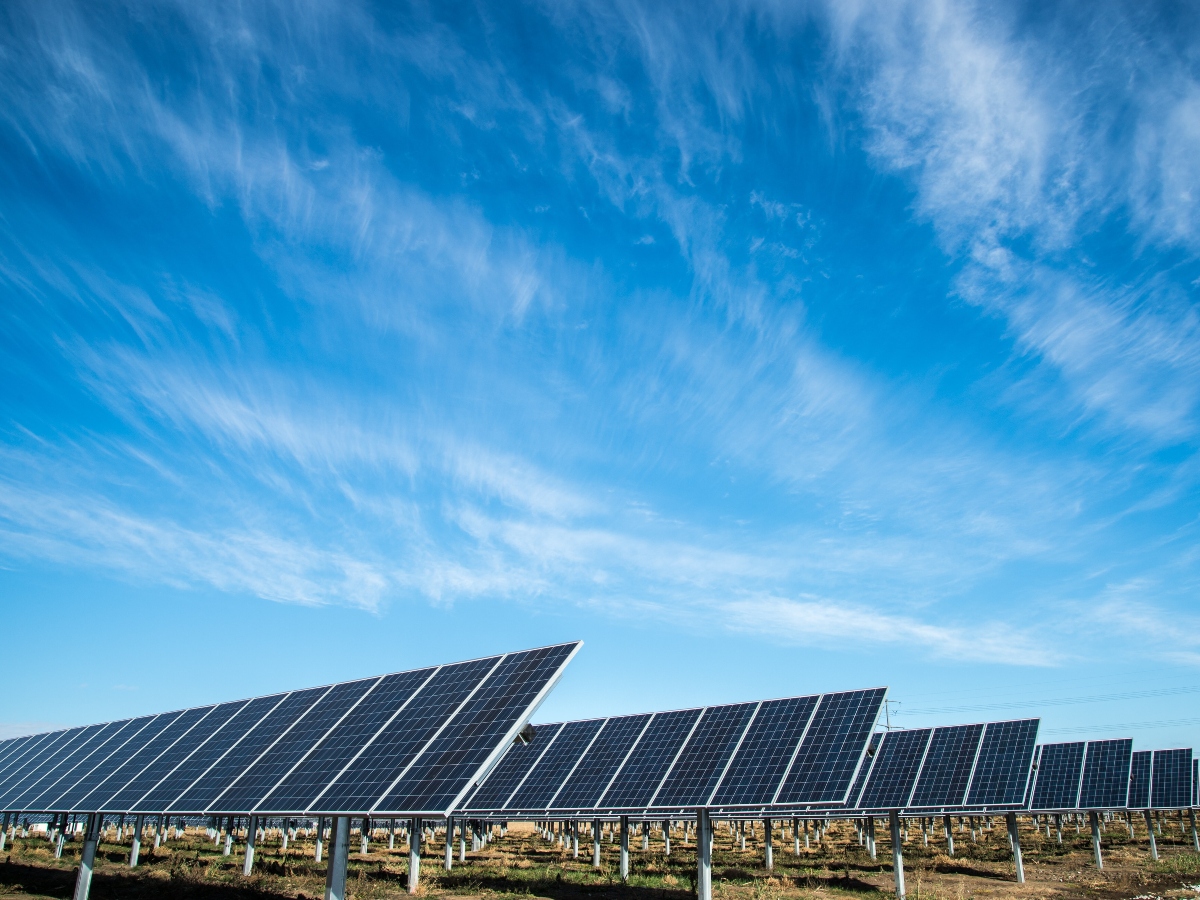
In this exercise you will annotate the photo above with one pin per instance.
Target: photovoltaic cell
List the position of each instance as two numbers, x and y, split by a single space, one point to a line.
864 771
1139 780
1059 773
1003 767
445 769
598 766
265 772
370 776
1106 774
415 742
895 768
947 771
504 778
110 795
552 769
639 779
1171 779
695 775
765 752
825 765
299 788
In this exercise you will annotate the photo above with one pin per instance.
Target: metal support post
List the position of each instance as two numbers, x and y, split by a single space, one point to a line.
228 837
449 863
4 833
414 856
703 855
462 841
1195 837
251 837
666 827
1014 838
897 853
364 837
871 836
645 835
624 847
1150 831
796 835
339 853
574 839
136 845
320 834
768 851
87 862
1096 838
595 843
949 835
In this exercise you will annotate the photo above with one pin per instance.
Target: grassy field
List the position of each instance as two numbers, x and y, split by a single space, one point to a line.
524 865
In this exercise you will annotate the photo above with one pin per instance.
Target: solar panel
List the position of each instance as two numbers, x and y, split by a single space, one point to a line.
1059 773
894 769
948 766
1171 779
1196 782
516 764
1139 780
864 770
735 756
1002 768
1106 774
408 743
598 766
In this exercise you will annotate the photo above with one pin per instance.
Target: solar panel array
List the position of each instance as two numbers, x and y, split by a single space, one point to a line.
407 743
1162 779
961 767
798 751
1082 775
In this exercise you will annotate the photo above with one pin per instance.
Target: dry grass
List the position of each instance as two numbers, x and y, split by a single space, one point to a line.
524 865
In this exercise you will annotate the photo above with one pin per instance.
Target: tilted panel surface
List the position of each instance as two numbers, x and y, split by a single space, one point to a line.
289 748
1003 768
368 777
500 783
825 766
947 770
894 771
72 769
762 759
108 794
500 705
700 765
1106 774
84 790
1171 784
228 724
1139 780
209 719
583 789
201 796
647 766
864 771
551 770
40 757
1059 769
299 788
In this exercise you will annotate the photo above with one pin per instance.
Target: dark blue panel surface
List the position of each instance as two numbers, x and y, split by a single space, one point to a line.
647 766
1171 781
1139 780
473 734
598 766
824 768
290 747
1106 774
894 771
1004 764
71 766
370 776
36 758
864 771
500 783
696 773
552 769
104 768
947 770
110 795
303 784
1059 771
768 747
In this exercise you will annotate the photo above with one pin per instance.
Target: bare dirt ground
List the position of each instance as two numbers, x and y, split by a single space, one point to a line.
525 865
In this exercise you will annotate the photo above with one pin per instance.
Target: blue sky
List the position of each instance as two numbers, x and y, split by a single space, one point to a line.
766 348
